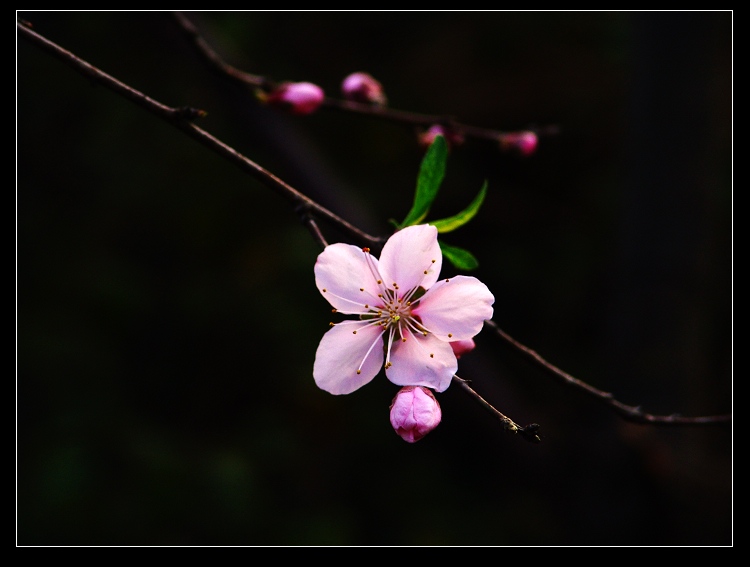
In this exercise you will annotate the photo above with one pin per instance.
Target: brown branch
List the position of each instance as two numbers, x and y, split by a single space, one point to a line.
530 432
216 62
629 413
381 112
308 220
181 119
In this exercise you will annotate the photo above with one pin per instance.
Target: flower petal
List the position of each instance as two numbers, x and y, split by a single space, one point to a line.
345 279
455 309
422 361
411 257
346 347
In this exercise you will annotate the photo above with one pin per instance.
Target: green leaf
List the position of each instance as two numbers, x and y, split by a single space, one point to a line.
460 258
454 222
431 174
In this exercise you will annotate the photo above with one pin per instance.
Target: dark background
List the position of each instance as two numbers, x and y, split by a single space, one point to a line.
167 316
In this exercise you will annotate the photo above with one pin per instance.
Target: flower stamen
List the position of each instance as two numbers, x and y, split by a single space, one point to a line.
369 350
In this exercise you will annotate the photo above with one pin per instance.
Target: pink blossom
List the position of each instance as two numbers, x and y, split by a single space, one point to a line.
524 143
460 348
298 98
363 87
452 137
414 413
406 317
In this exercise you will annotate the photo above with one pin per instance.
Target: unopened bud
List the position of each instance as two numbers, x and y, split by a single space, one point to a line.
462 347
297 98
414 413
523 143
452 138
363 87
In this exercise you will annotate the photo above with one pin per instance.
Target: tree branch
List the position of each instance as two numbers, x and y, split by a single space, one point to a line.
530 432
216 62
181 118
381 112
629 413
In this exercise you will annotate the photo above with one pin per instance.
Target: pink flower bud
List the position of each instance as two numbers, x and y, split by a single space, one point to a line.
462 347
524 143
298 98
414 413
452 137
363 87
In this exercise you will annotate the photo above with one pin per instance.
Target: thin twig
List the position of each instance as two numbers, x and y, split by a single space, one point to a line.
629 413
181 119
530 432
312 226
217 63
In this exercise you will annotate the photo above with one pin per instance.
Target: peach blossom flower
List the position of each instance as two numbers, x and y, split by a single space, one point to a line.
407 319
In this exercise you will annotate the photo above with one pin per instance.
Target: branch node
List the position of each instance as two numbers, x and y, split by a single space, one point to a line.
190 113
531 433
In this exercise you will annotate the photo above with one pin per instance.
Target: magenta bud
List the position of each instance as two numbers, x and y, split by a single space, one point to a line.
524 143
414 413
363 87
297 98
462 347
452 138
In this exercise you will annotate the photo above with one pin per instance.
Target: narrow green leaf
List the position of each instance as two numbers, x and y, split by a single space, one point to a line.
431 174
460 258
452 223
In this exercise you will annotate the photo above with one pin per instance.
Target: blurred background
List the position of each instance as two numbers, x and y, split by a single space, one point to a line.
167 316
